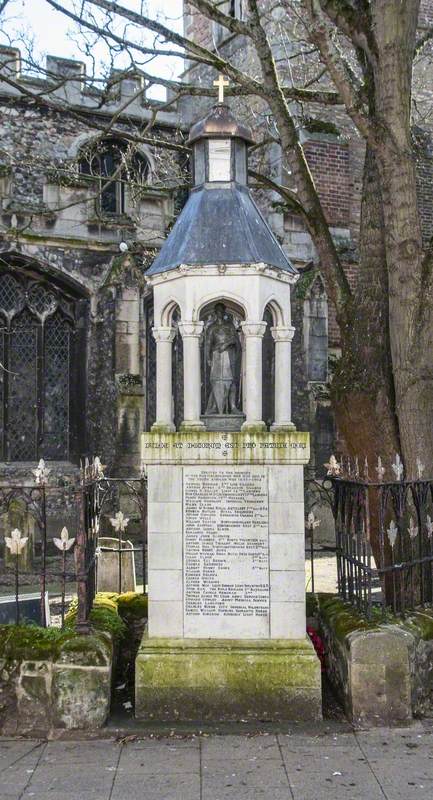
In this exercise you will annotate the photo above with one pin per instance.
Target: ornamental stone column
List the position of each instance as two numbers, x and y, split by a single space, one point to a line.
283 336
253 332
191 332
164 391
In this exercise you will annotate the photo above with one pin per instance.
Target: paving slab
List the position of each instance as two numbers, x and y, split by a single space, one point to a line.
316 763
157 787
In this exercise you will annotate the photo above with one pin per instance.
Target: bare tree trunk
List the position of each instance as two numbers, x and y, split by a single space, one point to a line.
395 27
362 390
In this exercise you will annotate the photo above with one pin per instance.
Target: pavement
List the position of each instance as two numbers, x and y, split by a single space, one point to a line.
324 762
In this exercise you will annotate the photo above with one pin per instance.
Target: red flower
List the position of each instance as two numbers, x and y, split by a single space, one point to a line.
318 645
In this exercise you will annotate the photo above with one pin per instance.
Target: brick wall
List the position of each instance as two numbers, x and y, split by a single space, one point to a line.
426 13
329 164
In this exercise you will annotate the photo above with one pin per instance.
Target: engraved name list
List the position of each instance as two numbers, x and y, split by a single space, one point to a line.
226 552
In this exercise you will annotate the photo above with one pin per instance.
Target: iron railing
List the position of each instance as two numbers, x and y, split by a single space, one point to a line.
384 540
87 500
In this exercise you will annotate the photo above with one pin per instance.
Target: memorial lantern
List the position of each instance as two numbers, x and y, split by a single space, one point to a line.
226 634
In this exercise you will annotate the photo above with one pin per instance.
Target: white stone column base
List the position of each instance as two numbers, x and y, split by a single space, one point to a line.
192 425
163 427
282 427
253 427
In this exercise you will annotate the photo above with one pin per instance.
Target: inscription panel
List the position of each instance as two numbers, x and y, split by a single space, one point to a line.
226 552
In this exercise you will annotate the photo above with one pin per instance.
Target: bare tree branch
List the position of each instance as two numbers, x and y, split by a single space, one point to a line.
354 23
285 193
321 35
212 12
336 280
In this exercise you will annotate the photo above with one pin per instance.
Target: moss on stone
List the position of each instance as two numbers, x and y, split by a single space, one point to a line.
227 679
342 617
419 623
90 650
30 642
132 605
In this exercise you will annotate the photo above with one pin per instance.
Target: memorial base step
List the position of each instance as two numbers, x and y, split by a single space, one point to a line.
227 679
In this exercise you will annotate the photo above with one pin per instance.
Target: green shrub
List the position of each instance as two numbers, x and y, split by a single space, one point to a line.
132 605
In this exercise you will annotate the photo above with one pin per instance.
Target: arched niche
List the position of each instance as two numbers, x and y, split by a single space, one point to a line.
272 319
170 317
222 412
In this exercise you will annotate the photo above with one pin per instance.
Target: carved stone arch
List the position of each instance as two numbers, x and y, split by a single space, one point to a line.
171 309
231 300
43 325
275 311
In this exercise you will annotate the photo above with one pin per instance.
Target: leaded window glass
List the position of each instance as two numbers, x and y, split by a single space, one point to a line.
113 165
37 357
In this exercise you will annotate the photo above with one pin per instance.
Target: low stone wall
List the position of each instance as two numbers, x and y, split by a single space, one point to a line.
62 683
59 679
382 672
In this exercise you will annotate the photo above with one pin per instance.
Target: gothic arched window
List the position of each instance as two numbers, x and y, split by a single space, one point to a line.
316 332
39 383
114 166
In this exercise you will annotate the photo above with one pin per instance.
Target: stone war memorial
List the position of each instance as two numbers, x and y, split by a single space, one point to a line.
226 635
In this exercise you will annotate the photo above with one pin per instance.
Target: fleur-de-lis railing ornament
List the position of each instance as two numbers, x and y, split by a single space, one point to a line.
119 522
412 529
356 467
392 533
397 468
366 475
420 468
429 526
41 472
64 543
311 522
16 542
380 470
333 467
98 468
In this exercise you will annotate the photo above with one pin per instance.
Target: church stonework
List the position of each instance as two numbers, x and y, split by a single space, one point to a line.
226 570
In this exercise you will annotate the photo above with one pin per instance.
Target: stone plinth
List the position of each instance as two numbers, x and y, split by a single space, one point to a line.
192 679
226 576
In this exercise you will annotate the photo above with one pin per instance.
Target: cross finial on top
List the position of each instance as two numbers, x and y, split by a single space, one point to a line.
221 84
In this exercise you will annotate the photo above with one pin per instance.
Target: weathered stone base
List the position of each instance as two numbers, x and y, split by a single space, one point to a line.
368 665
71 689
218 680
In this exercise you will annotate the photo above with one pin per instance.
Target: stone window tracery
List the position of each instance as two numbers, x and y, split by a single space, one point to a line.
316 332
117 169
37 373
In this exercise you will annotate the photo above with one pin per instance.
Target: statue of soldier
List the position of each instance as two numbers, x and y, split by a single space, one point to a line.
223 350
